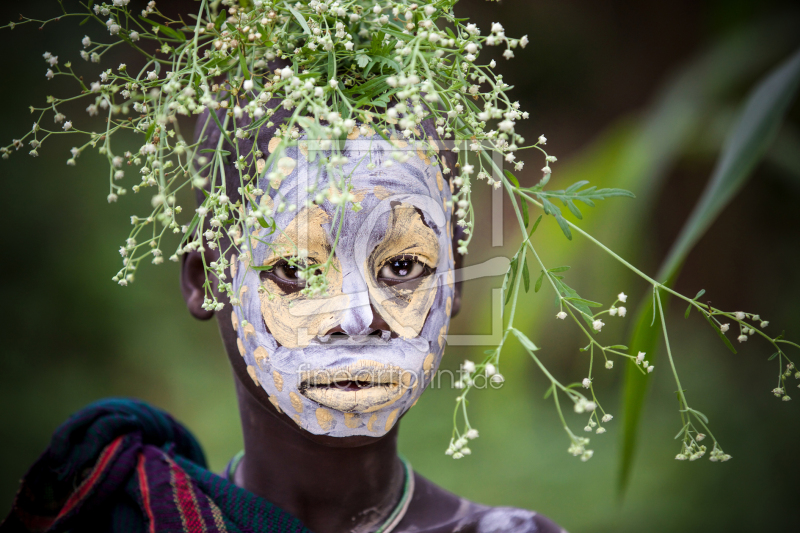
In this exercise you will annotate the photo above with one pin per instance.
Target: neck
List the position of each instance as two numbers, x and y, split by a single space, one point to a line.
330 484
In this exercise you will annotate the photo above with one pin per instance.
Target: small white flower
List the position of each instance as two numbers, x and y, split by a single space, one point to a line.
112 198
586 383
492 63
622 297
134 35
765 323
543 140
86 42
333 83
562 315
247 85
498 378
609 364
468 367
472 434
490 369
739 315
508 54
607 417
152 76
650 369
640 357
622 311
67 125
724 328
612 311
742 338
598 324
600 431
49 74
348 46
523 42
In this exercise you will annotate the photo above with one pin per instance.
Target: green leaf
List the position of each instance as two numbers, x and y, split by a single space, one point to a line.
535 225
584 302
748 141
84 21
526 276
511 275
243 64
548 392
331 65
512 178
166 30
214 151
526 342
220 19
617 347
699 294
558 269
299 18
362 60
150 131
773 356
744 147
539 281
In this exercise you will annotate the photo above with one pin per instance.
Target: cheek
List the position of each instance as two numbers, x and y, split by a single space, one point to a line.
294 319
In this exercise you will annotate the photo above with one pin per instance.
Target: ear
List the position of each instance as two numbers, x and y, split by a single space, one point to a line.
458 234
192 280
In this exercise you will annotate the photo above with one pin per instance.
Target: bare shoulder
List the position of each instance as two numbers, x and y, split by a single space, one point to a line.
435 510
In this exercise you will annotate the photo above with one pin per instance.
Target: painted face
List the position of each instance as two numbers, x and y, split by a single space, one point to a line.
328 361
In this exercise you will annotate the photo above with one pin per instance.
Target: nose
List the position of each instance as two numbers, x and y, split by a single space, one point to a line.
352 327
360 317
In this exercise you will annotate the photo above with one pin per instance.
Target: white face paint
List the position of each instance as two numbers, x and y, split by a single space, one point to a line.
362 380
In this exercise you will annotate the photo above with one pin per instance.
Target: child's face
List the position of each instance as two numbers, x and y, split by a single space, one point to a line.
353 361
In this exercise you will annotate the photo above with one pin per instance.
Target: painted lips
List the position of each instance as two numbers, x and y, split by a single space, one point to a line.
361 388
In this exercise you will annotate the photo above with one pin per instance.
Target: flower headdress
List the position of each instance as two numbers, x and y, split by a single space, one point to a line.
323 70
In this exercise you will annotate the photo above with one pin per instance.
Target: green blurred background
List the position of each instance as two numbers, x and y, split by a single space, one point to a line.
630 94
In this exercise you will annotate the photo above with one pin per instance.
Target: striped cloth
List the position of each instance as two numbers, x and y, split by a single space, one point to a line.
123 466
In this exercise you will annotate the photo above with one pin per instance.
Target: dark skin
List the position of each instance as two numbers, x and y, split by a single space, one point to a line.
337 484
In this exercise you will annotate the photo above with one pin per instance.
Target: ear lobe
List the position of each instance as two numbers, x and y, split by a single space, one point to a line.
192 280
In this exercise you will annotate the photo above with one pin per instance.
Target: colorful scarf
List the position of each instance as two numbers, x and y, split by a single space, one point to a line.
125 467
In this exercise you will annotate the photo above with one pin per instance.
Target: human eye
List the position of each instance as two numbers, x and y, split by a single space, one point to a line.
402 268
288 276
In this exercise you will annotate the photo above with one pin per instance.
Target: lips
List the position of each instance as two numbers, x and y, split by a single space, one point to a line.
362 387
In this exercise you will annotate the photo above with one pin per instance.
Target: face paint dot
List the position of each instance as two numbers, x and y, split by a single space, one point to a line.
297 420
324 418
427 364
262 355
371 423
442 333
249 330
273 143
260 164
439 181
406 379
252 371
274 402
278 380
352 420
235 321
390 420
296 402
286 165
448 306
240 346
354 133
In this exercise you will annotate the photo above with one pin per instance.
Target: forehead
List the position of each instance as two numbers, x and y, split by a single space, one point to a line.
372 167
